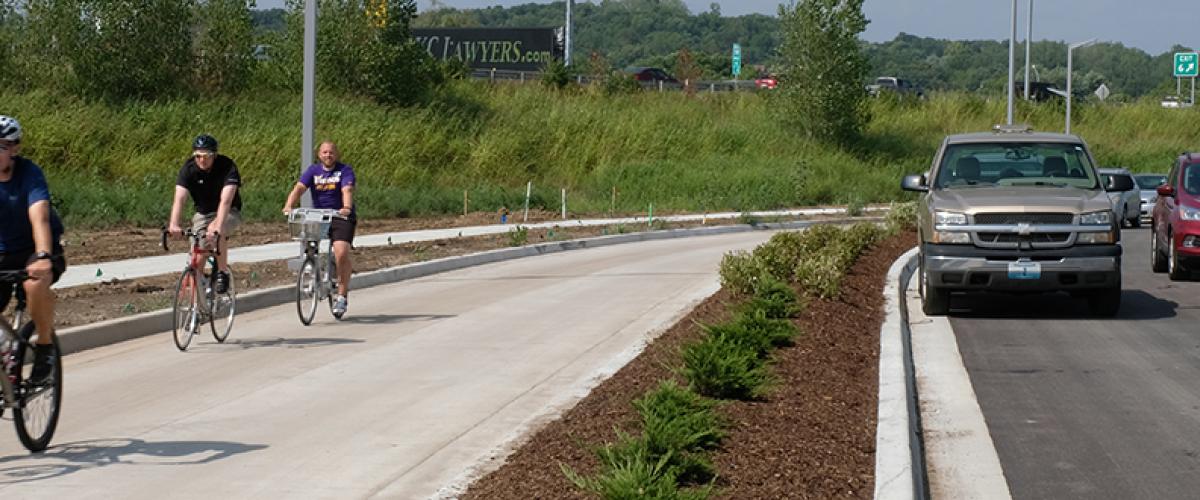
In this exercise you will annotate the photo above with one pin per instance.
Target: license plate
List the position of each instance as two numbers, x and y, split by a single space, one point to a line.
1024 270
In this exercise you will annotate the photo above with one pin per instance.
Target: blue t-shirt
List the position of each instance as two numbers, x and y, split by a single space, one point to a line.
326 185
26 187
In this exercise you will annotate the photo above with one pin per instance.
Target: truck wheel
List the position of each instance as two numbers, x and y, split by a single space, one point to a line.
934 301
1158 261
1106 303
1175 269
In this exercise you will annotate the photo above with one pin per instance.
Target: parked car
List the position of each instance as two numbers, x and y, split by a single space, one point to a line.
645 74
1127 205
1172 101
897 85
1148 184
1014 210
766 82
1175 242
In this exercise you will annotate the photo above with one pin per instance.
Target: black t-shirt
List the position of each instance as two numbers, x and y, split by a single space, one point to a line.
205 187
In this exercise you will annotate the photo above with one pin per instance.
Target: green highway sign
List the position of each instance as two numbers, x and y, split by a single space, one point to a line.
1187 64
737 60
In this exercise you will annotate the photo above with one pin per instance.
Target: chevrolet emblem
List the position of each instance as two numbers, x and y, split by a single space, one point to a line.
1024 228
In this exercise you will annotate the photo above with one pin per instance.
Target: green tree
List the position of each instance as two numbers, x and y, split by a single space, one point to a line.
224 39
397 69
823 94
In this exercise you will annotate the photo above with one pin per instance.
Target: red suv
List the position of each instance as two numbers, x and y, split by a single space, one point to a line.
1175 243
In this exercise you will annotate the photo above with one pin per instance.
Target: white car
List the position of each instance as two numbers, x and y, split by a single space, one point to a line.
1127 205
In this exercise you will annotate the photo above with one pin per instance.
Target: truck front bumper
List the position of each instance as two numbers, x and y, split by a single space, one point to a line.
961 267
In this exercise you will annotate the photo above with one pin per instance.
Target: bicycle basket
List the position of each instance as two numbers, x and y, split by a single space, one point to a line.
307 224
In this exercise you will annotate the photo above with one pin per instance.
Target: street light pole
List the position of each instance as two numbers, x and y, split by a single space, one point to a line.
1012 57
567 38
1070 67
1028 43
309 99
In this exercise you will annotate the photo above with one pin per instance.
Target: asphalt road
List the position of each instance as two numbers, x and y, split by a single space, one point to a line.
424 380
1086 408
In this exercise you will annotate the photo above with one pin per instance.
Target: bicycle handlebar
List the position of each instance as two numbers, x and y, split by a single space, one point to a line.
188 233
13 277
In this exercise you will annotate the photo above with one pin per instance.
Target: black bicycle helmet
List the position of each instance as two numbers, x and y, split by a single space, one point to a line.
205 141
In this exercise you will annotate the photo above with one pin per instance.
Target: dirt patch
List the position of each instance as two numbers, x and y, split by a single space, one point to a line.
101 301
813 437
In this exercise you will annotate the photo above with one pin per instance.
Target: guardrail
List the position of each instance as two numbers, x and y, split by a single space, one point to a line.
501 75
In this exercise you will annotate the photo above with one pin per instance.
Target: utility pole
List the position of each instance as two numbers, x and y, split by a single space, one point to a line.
1012 60
567 38
310 78
1028 44
1070 67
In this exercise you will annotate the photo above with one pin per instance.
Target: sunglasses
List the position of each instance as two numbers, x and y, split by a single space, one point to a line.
200 154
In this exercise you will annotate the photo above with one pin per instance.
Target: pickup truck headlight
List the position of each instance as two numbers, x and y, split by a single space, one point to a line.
1189 213
1102 218
941 218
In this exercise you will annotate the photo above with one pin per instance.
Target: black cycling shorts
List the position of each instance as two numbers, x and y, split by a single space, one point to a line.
19 260
343 229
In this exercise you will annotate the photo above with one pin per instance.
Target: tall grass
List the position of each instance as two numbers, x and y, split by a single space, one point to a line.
116 164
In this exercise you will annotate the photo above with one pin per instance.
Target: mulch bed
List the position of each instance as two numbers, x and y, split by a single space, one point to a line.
813 437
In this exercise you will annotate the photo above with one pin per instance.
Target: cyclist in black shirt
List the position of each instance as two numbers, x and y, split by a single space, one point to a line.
212 180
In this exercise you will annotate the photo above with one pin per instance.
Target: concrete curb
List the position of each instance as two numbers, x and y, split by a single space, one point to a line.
899 455
116 330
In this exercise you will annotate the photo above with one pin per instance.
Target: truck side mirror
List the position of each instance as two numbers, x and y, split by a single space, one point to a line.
1118 183
914 183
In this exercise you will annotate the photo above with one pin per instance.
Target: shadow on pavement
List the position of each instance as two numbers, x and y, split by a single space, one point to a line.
296 343
383 319
66 458
1135 305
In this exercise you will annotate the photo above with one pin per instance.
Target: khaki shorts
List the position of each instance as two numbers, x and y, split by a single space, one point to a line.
233 219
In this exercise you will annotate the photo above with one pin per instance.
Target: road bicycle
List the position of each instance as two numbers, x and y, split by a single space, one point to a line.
196 299
317 277
35 406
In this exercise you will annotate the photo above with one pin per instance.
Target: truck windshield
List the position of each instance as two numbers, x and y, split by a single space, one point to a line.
1016 164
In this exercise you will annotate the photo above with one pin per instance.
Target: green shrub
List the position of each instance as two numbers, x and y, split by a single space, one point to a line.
556 75
518 236
740 272
629 471
901 217
776 299
720 367
680 424
817 237
820 275
780 254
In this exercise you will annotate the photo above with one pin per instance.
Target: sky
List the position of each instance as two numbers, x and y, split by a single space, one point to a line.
1146 24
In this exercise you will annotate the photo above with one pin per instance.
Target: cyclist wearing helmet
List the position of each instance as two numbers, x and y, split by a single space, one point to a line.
29 240
212 180
332 183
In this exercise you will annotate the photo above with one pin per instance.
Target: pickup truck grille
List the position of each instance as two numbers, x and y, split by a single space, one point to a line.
1013 239
1030 218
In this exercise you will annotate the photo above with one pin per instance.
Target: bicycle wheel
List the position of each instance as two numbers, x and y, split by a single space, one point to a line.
38 406
308 291
187 312
222 308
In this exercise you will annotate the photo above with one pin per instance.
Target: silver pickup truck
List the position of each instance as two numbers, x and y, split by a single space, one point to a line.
1012 210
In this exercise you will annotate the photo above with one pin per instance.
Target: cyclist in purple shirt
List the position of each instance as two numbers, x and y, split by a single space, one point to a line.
332 183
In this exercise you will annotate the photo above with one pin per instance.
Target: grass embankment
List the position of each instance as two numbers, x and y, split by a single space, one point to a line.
679 421
116 164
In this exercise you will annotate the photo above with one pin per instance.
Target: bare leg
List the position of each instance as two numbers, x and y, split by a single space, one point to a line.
341 257
41 308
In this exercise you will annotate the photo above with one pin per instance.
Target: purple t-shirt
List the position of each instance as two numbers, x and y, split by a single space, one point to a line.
326 185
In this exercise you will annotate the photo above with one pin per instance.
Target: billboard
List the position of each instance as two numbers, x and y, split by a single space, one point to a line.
518 49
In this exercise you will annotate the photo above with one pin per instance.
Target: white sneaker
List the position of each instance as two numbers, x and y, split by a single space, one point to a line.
339 305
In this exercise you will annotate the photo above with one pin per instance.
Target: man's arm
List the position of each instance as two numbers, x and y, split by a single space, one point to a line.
293 197
227 194
43 238
181 195
347 200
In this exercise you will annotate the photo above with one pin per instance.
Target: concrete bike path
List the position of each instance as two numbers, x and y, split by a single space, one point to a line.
424 381
164 264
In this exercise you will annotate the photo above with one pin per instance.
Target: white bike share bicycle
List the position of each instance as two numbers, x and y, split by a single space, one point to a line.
317 279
